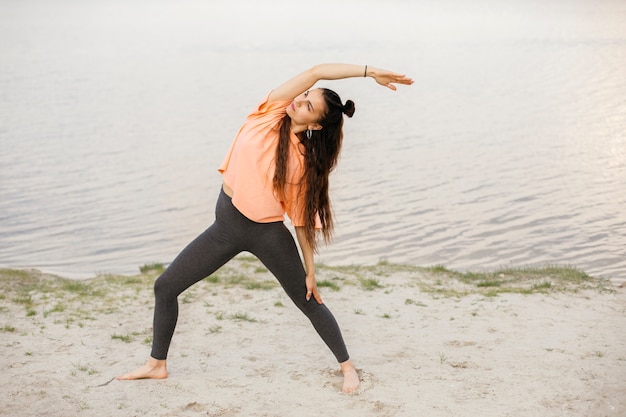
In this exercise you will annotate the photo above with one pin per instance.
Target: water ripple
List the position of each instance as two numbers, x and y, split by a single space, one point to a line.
508 150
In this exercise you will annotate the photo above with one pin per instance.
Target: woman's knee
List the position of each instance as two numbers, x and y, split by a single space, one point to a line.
162 287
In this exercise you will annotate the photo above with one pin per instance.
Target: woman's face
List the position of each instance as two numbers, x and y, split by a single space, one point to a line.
307 109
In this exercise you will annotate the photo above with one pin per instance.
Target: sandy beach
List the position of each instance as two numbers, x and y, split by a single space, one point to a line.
427 342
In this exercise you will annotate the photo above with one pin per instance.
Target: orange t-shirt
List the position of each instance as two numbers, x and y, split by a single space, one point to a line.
248 168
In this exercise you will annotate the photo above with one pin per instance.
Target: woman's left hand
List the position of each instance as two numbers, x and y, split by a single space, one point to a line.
389 78
311 289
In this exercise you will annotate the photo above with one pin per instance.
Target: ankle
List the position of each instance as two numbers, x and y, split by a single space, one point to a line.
156 363
347 366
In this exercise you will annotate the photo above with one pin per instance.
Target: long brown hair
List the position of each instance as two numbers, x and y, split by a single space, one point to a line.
321 152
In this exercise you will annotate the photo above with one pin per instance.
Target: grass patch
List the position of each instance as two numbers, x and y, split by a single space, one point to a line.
328 284
408 301
81 289
242 317
522 280
187 297
122 337
63 301
260 285
484 284
439 281
370 284
84 368
542 286
213 279
152 268
58 308
215 329
234 278
25 299
18 278
7 329
438 269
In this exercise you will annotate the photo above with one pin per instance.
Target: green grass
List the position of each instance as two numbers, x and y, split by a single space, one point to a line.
520 280
408 301
213 279
260 285
542 286
328 284
56 300
83 368
81 289
25 299
215 329
187 297
438 269
123 337
370 284
152 268
7 329
242 317
488 284
230 278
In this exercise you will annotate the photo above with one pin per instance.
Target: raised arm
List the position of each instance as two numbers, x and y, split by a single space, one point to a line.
307 79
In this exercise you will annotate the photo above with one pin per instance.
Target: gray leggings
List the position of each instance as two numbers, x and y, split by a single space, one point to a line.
231 234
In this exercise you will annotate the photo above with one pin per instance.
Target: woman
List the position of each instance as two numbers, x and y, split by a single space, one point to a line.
279 163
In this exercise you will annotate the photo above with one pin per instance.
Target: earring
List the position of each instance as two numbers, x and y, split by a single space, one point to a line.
309 133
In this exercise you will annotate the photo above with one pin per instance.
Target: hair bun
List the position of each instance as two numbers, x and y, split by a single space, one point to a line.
348 108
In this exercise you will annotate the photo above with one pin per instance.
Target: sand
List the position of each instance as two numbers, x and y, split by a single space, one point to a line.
422 346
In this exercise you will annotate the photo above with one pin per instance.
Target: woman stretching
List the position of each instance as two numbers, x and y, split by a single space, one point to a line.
278 163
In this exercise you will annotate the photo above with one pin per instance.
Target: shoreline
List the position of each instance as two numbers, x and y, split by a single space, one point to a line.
84 276
427 341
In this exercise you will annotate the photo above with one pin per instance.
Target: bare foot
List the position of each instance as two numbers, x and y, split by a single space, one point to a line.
351 379
153 369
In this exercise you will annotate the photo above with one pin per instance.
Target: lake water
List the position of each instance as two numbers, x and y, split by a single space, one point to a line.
509 149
